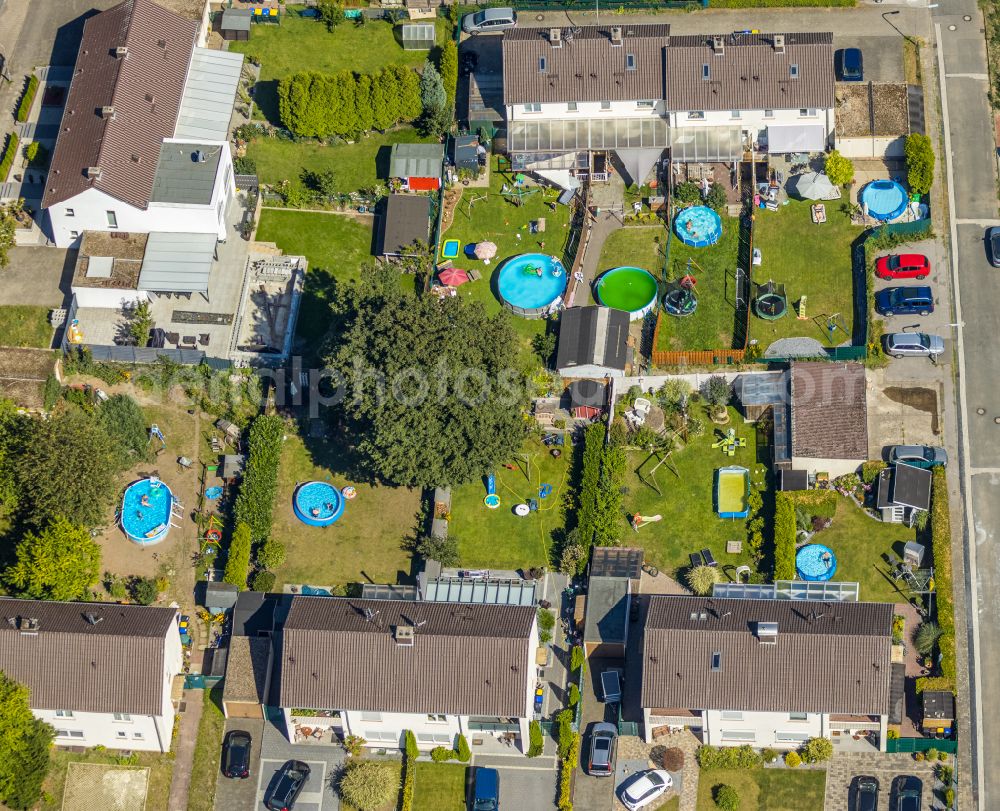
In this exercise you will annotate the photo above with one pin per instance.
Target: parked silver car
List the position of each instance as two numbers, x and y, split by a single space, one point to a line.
602 743
913 344
489 20
925 456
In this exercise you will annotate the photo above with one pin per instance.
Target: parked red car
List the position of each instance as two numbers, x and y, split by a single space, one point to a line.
902 266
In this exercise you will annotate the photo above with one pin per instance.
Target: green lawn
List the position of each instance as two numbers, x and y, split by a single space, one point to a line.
498 221
336 247
711 327
810 260
355 166
766 789
205 768
859 542
498 539
639 246
25 325
161 769
439 787
369 542
687 505
302 43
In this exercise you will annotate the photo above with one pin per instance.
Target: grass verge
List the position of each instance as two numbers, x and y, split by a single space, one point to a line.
161 770
765 789
205 767
439 786
25 325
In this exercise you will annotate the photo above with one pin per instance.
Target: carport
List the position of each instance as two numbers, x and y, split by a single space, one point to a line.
177 263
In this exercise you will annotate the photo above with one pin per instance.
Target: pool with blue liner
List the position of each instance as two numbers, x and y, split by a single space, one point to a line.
317 504
885 199
815 562
529 283
145 516
698 226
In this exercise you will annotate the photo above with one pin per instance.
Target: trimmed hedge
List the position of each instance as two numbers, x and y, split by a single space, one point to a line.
783 3
9 153
409 772
728 757
566 768
24 107
784 537
255 503
238 561
940 525
536 744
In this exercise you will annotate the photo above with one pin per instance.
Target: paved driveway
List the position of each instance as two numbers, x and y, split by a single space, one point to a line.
883 55
525 785
882 766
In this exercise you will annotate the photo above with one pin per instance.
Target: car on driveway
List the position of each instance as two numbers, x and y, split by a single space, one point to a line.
993 245
236 754
849 65
903 266
602 744
905 301
292 776
645 788
489 20
918 455
906 791
486 790
863 795
913 344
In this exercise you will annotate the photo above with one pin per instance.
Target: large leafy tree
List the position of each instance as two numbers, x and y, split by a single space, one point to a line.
65 466
61 562
428 390
24 747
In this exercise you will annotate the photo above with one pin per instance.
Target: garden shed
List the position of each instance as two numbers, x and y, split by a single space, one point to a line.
418 166
417 36
235 24
402 221
605 631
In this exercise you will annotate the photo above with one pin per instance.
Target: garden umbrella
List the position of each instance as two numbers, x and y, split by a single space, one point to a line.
453 277
812 186
485 250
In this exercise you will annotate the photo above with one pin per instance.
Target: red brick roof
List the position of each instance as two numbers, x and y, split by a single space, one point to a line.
144 87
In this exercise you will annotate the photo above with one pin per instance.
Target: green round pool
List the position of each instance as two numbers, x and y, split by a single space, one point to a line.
630 289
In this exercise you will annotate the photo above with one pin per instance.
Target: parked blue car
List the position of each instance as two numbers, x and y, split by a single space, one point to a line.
849 65
904 301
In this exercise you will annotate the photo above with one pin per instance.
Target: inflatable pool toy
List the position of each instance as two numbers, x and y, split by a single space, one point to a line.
545 490
492 501
349 492
521 510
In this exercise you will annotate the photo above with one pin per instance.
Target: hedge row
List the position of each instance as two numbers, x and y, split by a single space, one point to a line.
8 155
728 757
255 503
238 561
26 100
784 537
941 548
566 768
783 3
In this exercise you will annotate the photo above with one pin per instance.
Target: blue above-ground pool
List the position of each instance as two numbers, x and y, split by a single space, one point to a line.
317 504
529 283
145 516
885 199
815 561
698 226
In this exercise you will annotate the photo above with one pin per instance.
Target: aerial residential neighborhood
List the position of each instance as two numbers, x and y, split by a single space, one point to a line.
414 406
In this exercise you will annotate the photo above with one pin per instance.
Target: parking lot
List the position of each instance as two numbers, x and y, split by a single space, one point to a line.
883 767
525 785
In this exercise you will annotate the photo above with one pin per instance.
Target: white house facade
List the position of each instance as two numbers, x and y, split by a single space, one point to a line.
766 673
101 674
436 669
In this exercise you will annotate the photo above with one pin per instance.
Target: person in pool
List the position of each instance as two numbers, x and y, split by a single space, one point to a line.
688 226
144 501
328 506
314 512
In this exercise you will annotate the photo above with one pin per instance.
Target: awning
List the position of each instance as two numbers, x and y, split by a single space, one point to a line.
638 162
177 263
560 177
209 95
581 134
796 138
697 144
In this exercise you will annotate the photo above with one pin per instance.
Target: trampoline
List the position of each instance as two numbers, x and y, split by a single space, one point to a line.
449 250
680 301
530 283
884 199
771 302
815 561
698 226
631 289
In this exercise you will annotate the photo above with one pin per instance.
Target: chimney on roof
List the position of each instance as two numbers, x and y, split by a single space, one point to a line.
779 43
199 156
718 45
94 172
92 618
616 36
108 113
403 635
767 633
555 37
28 625
121 52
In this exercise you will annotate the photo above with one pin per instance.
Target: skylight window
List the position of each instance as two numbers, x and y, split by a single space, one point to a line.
541 64
629 61
706 72
717 660
794 71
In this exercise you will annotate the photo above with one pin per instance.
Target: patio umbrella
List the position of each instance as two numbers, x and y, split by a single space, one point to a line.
453 277
812 186
485 250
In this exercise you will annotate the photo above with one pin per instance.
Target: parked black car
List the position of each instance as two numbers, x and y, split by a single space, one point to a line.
864 794
906 791
291 778
236 754
993 245
848 64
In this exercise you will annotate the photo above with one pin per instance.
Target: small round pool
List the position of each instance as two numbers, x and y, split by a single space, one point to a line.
317 504
815 562
698 226
884 199
530 283
145 516
630 289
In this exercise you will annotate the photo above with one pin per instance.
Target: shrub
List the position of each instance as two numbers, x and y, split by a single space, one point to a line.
784 538
687 193
671 759
271 554
716 199
945 774
565 737
926 637
144 590
769 755
919 162
410 745
817 750
792 759
839 169
9 153
535 743
574 695
546 622
354 745
725 797
462 751
700 579
941 550
244 166
263 581
717 391
238 561
441 754
918 756
24 107
949 797
931 754
728 757
443 550
409 773
942 756
255 502
369 784
577 658
870 470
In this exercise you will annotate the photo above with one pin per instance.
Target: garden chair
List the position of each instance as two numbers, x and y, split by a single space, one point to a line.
695 558
708 557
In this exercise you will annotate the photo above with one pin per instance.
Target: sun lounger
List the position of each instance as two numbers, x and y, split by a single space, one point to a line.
709 559
696 560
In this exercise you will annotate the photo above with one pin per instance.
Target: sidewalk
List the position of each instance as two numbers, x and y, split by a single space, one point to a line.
187 739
